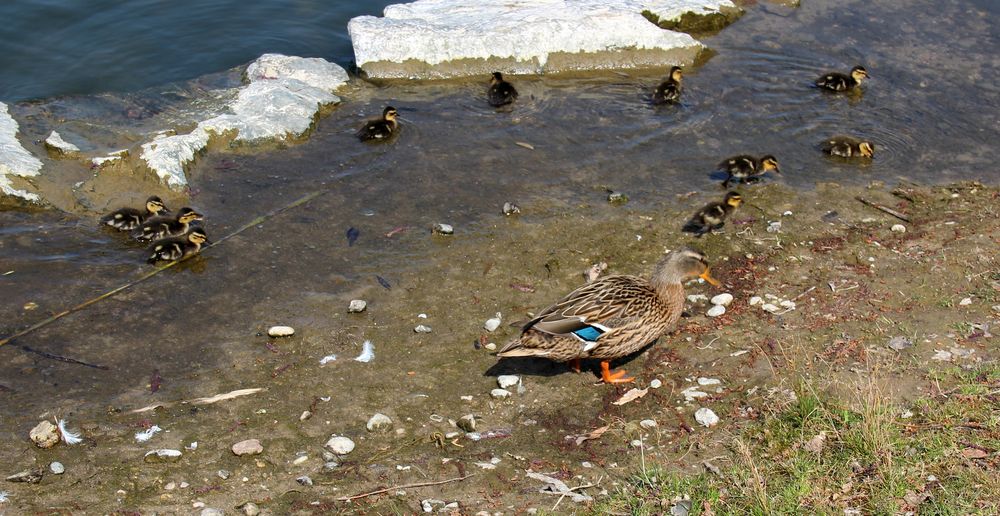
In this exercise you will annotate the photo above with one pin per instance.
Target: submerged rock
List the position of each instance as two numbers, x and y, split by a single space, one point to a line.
280 331
15 160
379 423
357 306
442 38
340 445
59 146
248 447
57 468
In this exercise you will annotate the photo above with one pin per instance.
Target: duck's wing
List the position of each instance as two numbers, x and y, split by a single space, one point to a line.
592 310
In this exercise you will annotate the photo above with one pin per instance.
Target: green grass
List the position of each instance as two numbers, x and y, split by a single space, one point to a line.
871 459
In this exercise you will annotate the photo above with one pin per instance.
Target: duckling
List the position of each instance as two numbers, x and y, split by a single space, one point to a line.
127 219
162 227
669 91
501 92
713 215
848 147
176 248
835 81
611 317
381 128
748 169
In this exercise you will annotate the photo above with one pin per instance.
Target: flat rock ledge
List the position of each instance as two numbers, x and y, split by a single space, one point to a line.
282 97
450 38
15 160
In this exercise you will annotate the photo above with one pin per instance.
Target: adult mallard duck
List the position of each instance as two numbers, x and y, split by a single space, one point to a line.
163 227
669 90
501 92
380 128
127 219
611 317
748 169
835 81
848 147
176 248
713 215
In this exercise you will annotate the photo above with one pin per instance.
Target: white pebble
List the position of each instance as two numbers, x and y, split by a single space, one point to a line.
898 228
965 301
357 305
300 459
500 393
787 304
708 381
340 445
508 380
648 424
443 229
716 311
768 307
787 214
490 346
379 423
774 227
280 331
422 329
706 417
493 323
755 300
656 383
722 299
57 468
694 298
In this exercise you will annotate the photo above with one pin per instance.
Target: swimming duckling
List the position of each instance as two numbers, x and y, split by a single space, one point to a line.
748 169
848 147
381 128
501 92
835 81
127 219
713 215
669 90
611 317
163 227
176 248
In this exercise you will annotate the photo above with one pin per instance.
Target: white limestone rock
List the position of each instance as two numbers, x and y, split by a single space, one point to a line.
281 100
56 143
15 160
441 38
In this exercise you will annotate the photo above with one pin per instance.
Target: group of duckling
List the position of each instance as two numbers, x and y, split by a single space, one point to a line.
173 236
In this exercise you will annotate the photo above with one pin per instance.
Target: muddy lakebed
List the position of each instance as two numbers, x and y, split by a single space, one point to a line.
850 282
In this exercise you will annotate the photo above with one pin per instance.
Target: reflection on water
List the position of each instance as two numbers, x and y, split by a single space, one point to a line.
457 161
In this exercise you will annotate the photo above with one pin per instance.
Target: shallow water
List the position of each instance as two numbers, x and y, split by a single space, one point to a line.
930 108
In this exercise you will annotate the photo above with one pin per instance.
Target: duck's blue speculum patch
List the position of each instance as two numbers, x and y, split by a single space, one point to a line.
589 334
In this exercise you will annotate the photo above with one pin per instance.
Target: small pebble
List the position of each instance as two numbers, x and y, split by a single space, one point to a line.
357 306
716 311
467 423
774 227
722 299
340 445
443 229
44 435
965 301
648 424
280 331
898 228
248 447
755 300
708 381
304 480
508 380
510 208
706 417
900 343
223 474
300 459
330 466
617 198
694 298
656 383
57 468
209 511
768 307
490 346
170 486
422 329
163 455
250 509
493 323
787 304
787 214
379 423
500 393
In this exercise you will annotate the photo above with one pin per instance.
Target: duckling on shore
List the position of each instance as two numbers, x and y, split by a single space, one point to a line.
713 215
848 147
381 128
163 227
748 169
611 317
127 219
835 81
179 247
501 92
669 91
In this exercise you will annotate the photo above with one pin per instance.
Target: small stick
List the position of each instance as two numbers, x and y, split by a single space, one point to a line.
62 358
804 293
405 486
881 208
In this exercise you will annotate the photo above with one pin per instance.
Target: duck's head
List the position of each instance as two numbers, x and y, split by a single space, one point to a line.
733 199
770 163
497 78
859 73
198 236
867 149
155 205
389 113
188 215
683 265
676 73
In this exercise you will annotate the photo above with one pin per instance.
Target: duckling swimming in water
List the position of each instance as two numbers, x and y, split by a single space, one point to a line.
669 91
381 128
176 248
163 227
611 317
501 92
713 215
127 219
836 81
848 147
748 169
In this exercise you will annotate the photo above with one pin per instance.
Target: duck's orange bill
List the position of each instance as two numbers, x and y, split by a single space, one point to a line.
708 277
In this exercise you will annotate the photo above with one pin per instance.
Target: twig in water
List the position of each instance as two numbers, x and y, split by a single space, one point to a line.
881 208
63 359
405 486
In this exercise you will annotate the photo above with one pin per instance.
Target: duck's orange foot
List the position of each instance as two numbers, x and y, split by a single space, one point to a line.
617 377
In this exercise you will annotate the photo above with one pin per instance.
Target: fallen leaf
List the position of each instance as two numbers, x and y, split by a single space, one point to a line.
974 453
594 434
632 395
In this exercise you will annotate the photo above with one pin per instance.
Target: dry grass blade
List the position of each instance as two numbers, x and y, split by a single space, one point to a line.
757 487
